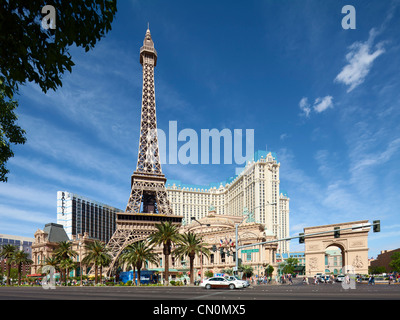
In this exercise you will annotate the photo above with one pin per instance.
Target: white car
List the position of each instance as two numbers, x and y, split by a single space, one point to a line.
340 278
245 283
221 283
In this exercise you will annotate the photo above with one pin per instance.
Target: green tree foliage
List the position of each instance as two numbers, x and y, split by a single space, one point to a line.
21 258
31 53
137 254
97 254
269 270
28 52
10 133
64 253
377 270
247 270
166 235
289 265
395 262
191 245
7 252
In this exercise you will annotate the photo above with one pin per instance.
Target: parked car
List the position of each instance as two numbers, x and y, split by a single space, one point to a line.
221 283
324 279
245 282
340 278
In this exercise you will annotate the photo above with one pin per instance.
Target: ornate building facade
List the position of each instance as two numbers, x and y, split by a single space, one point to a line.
47 241
218 233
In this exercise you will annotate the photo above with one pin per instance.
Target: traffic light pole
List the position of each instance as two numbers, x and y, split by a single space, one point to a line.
375 224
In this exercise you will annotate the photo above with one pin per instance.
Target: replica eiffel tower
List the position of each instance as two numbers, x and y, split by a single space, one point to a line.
148 203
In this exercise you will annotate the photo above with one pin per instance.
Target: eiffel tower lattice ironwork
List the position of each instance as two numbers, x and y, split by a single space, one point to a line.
148 203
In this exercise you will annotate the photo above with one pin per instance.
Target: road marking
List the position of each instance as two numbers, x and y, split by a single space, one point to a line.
206 295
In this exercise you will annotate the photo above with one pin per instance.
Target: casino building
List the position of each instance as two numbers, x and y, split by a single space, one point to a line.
79 215
218 233
255 190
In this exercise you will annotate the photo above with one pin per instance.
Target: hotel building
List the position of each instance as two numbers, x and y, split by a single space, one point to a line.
80 215
255 191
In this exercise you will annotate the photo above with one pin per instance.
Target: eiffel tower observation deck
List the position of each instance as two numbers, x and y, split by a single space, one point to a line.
148 203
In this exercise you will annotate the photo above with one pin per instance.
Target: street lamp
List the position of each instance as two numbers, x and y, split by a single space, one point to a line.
80 259
201 253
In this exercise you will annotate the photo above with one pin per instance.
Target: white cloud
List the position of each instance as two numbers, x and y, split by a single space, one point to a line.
305 106
70 180
360 59
22 215
283 136
321 104
29 196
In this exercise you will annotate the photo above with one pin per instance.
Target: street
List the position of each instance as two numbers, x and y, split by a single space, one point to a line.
298 291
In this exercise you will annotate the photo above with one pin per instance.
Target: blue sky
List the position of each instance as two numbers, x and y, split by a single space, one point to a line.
325 99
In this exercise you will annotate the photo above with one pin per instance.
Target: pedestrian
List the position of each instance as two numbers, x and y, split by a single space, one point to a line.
290 279
347 279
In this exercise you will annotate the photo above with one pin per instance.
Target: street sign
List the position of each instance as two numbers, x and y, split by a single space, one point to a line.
250 250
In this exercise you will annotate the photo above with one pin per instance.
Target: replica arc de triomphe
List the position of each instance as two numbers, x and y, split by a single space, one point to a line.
353 243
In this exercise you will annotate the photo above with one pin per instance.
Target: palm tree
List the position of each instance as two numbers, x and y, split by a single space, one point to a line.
97 254
247 270
165 235
190 245
141 252
64 252
104 261
7 252
54 262
67 265
21 258
129 257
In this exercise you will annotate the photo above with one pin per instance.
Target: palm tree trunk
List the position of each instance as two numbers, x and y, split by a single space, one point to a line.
95 274
8 273
134 275
191 259
19 274
138 276
166 274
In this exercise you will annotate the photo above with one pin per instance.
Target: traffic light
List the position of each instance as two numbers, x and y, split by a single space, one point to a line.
336 233
301 238
221 251
214 248
377 225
